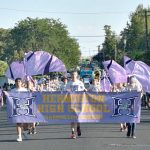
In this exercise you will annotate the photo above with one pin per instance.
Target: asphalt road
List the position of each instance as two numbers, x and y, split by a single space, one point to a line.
94 137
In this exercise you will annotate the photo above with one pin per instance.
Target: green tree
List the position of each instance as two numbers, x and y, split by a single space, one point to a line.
134 35
43 34
3 42
110 43
109 49
3 67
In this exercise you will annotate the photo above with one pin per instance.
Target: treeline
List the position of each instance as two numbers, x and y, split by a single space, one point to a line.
39 34
52 36
133 41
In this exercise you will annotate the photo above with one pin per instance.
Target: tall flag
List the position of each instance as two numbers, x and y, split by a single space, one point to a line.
105 83
41 62
116 72
35 63
140 70
129 65
16 70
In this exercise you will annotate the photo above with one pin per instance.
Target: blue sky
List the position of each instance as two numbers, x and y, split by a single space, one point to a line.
82 17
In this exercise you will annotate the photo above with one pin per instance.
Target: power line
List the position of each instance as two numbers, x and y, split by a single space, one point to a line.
89 41
97 36
88 36
71 13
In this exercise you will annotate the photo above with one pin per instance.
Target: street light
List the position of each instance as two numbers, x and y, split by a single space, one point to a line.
99 48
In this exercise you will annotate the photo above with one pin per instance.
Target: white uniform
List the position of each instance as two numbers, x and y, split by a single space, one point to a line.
22 89
95 88
75 86
63 87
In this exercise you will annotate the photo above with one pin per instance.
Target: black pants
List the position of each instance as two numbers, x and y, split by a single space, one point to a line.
131 129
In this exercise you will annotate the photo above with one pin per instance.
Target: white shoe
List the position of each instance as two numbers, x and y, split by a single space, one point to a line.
134 137
19 139
73 136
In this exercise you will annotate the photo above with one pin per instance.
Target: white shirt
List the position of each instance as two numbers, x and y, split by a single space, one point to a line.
22 89
94 88
135 87
75 86
63 87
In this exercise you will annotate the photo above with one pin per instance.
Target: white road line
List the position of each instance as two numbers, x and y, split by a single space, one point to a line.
129 145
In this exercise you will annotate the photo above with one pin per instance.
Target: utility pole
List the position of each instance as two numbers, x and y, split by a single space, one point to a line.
101 51
146 30
99 48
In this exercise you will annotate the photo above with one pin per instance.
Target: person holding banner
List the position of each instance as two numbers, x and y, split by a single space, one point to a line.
64 84
75 85
95 86
121 87
19 126
133 86
31 88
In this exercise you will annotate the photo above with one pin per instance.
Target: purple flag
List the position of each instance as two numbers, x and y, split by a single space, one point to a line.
35 63
16 70
41 62
140 70
116 72
105 83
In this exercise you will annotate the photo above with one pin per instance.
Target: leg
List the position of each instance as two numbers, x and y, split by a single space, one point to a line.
78 129
133 126
125 126
19 131
33 128
128 129
121 127
73 130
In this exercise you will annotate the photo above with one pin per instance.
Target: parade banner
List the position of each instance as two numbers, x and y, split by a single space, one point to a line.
67 107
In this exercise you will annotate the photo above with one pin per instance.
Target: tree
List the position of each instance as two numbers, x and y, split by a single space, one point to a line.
110 43
110 47
3 42
4 66
134 34
43 34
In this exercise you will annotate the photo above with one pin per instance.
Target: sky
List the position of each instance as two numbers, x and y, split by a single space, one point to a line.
85 19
